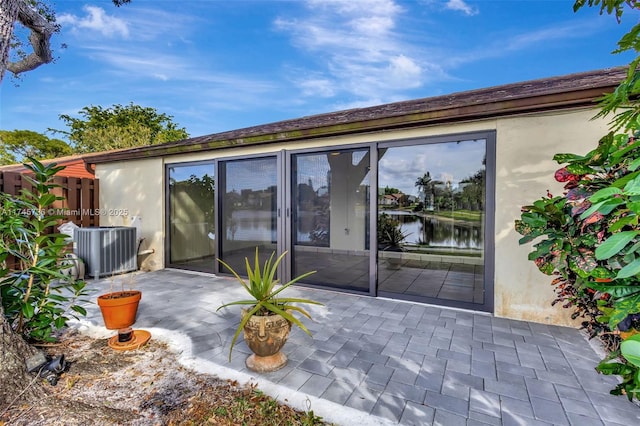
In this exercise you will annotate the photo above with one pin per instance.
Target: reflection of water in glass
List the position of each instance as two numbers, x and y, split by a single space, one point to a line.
252 225
433 231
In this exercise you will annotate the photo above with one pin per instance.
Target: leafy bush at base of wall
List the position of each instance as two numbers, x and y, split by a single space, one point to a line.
588 238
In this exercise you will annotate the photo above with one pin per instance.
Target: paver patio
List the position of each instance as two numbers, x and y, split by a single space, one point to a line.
398 362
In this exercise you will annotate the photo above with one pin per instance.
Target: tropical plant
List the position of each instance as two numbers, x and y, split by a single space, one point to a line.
37 296
261 284
591 240
390 235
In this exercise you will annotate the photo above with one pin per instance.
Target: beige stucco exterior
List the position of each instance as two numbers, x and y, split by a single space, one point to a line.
524 172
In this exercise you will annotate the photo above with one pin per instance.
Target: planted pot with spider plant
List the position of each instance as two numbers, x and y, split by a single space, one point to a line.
267 319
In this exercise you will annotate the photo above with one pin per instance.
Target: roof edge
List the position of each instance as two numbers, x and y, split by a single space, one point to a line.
565 92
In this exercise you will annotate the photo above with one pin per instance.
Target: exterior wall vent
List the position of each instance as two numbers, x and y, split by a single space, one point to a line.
107 250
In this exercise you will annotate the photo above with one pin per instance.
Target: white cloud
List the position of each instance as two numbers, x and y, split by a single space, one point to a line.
462 6
96 20
359 49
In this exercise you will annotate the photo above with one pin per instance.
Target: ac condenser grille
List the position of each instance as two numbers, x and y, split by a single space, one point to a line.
107 250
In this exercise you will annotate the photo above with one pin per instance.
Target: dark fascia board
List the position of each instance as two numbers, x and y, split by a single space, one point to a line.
569 91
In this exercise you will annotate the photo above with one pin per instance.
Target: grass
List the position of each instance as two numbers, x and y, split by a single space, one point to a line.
245 406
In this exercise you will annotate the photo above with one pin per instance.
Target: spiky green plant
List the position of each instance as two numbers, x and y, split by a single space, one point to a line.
261 284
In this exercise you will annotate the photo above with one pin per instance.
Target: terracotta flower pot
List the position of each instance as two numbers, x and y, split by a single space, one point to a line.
119 309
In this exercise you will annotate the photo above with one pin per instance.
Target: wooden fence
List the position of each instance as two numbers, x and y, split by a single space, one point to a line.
80 204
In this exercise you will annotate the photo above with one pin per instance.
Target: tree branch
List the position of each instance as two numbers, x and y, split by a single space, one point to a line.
40 39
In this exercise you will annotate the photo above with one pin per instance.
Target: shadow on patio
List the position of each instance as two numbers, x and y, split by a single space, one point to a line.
392 362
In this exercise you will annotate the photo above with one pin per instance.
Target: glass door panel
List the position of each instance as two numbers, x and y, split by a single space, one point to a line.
192 216
330 218
431 222
248 210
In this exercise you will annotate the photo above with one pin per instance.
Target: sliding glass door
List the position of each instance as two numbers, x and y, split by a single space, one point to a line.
191 211
330 217
427 218
431 222
248 210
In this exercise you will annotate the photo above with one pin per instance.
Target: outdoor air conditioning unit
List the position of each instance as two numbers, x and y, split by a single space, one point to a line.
107 250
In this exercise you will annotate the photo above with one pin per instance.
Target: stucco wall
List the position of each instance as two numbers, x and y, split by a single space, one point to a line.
135 188
524 172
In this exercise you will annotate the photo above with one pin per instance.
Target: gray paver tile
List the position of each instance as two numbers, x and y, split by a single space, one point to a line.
463 367
579 407
316 385
476 418
549 411
342 358
448 403
380 374
458 379
613 415
478 354
541 389
316 367
429 381
417 414
509 419
363 399
405 391
348 375
455 390
571 392
446 418
516 407
554 377
373 357
338 392
405 376
581 420
295 379
389 407
483 369
484 402
360 365
518 391
515 369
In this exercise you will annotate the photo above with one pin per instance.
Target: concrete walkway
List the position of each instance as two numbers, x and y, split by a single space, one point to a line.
377 361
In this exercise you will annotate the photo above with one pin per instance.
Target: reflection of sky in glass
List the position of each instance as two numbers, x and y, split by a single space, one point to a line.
315 167
453 161
181 173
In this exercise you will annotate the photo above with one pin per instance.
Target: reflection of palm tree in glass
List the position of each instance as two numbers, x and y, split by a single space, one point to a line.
427 186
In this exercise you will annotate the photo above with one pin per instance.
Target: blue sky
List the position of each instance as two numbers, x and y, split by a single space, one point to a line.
223 65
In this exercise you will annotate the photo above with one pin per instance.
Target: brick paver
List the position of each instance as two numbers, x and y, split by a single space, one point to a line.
397 362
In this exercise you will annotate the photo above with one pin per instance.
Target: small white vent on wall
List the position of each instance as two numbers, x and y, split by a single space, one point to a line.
107 250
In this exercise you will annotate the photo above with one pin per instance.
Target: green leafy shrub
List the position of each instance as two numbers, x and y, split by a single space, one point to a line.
36 296
588 238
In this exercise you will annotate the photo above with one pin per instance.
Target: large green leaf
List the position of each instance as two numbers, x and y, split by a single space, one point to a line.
614 244
633 186
629 270
630 349
535 220
620 183
623 221
605 193
565 158
579 169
